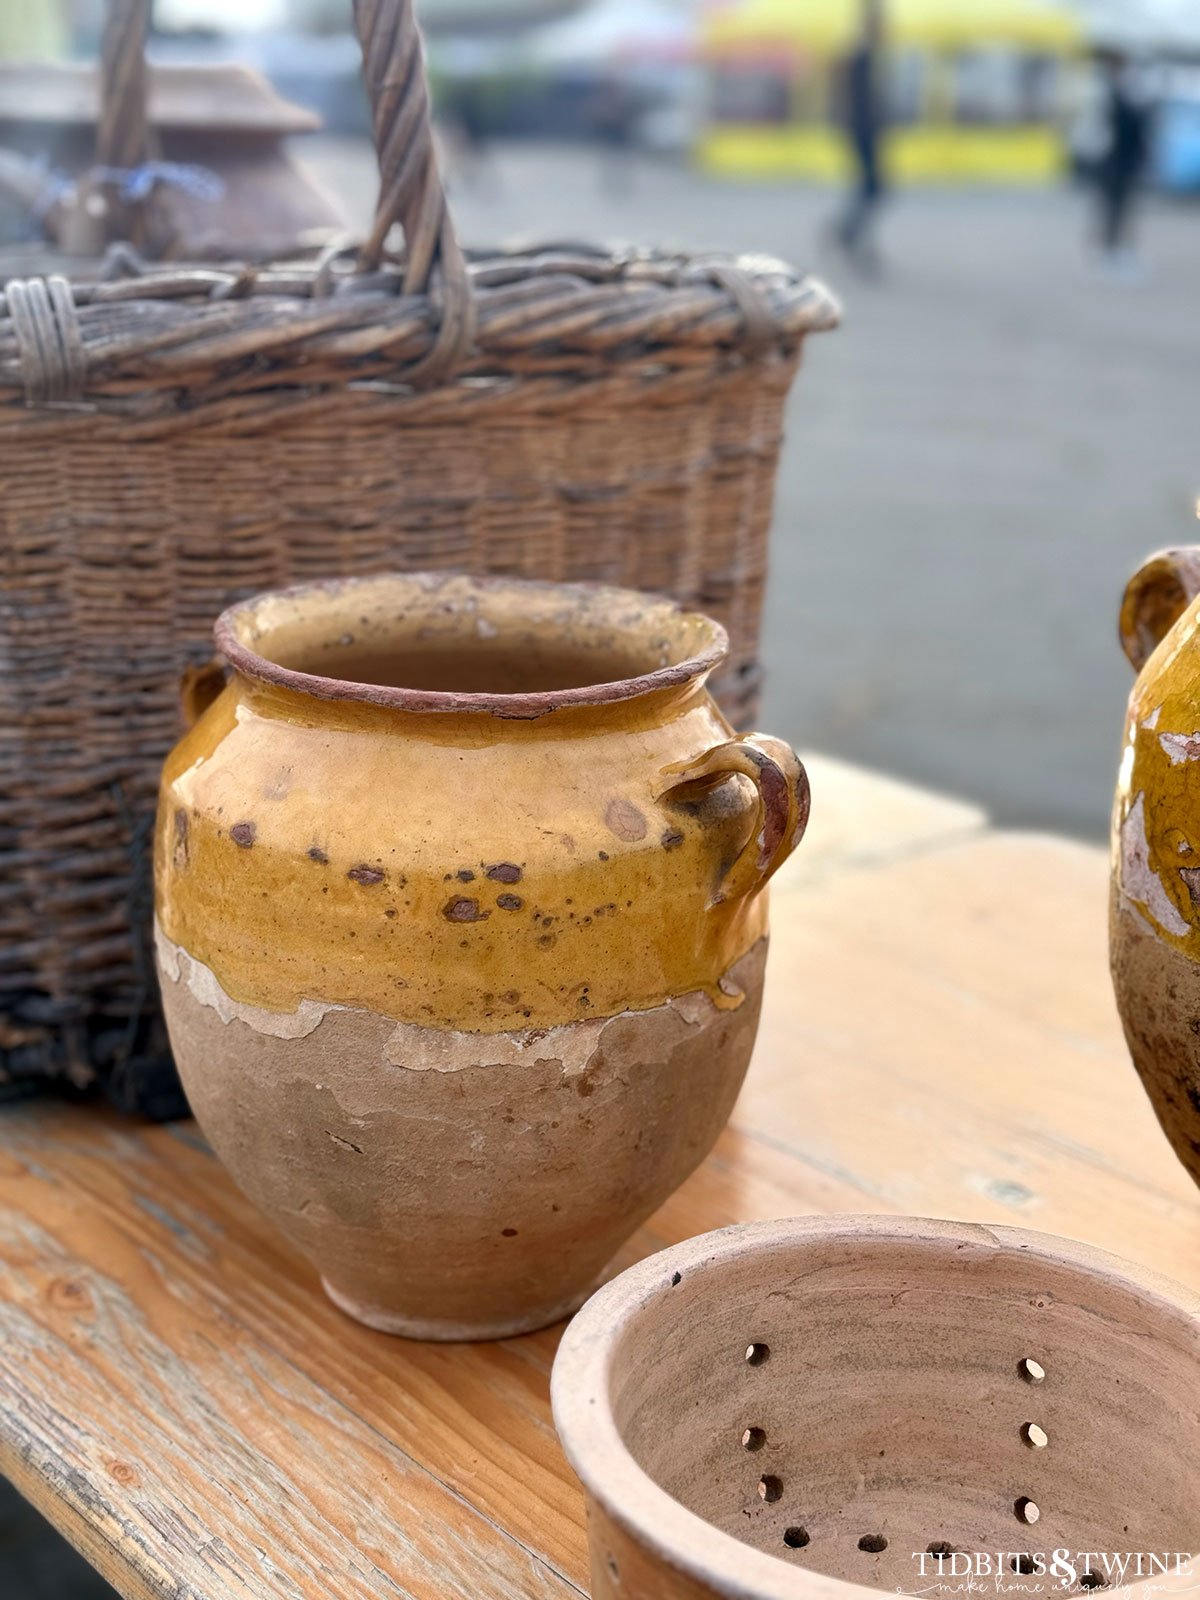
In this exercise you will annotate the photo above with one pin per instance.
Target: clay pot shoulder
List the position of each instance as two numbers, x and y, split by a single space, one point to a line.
468 865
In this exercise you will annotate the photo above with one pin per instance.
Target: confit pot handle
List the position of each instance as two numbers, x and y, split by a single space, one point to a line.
1155 598
781 783
199 686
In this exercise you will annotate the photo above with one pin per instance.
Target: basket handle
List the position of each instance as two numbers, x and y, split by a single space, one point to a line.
123 137
781 782
410 185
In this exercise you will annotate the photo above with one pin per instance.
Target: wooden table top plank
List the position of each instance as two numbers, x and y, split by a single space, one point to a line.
950 1071
178 1396
205 1456
242 1286
975 973
866 819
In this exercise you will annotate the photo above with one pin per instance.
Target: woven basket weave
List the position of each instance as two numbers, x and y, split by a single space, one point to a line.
174 437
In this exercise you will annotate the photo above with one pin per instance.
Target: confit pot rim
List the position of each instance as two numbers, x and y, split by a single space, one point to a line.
680 1538
249 663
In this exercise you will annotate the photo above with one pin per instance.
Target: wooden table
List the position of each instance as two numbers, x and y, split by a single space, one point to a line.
179 1398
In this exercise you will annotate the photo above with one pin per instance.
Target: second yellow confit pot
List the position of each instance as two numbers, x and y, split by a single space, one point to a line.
461 930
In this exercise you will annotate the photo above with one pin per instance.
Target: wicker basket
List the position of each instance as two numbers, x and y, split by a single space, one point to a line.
174 437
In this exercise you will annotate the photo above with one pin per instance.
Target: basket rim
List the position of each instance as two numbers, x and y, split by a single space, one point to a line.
330 269
692 671
685 1541
240 328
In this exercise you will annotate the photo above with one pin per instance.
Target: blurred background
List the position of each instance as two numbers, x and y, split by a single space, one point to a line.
1006 194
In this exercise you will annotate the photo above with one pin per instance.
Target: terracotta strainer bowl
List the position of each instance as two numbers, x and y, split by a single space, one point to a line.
807 1408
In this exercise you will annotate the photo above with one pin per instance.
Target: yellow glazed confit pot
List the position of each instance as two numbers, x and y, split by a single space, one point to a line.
1155 911
461 930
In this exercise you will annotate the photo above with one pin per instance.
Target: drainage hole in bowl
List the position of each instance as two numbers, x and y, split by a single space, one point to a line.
1032 1371
754 1439
795 1538
756 1354
940 1548
1093 1580
1036 1438
1025 1565
1026 1509
873 1543
770 1488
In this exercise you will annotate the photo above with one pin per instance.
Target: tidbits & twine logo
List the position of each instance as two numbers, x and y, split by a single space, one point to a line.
1034 1571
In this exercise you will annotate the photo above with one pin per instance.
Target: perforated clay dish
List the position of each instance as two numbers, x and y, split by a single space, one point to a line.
819 1408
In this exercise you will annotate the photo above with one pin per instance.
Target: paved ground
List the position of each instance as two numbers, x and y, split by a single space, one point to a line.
976 461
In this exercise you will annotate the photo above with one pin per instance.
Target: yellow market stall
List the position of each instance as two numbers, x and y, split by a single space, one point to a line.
976 90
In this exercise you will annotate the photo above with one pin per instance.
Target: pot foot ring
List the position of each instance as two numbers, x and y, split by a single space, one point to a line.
444 1330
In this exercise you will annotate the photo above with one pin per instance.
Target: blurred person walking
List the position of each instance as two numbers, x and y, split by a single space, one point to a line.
1124 119
613 119
863 121
466 125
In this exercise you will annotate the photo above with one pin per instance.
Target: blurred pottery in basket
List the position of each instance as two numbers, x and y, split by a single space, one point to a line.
821 1408
222 179
463 977
1155 910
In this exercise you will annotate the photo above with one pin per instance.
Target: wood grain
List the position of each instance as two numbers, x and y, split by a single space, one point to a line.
181 1401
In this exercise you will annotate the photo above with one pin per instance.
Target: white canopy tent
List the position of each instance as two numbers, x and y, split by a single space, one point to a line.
1147 25
617 32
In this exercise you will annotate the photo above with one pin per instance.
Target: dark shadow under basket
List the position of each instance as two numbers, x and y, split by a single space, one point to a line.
174 438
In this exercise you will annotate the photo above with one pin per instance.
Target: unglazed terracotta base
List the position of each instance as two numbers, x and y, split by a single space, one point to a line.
811 1409
443 1332
468 1186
